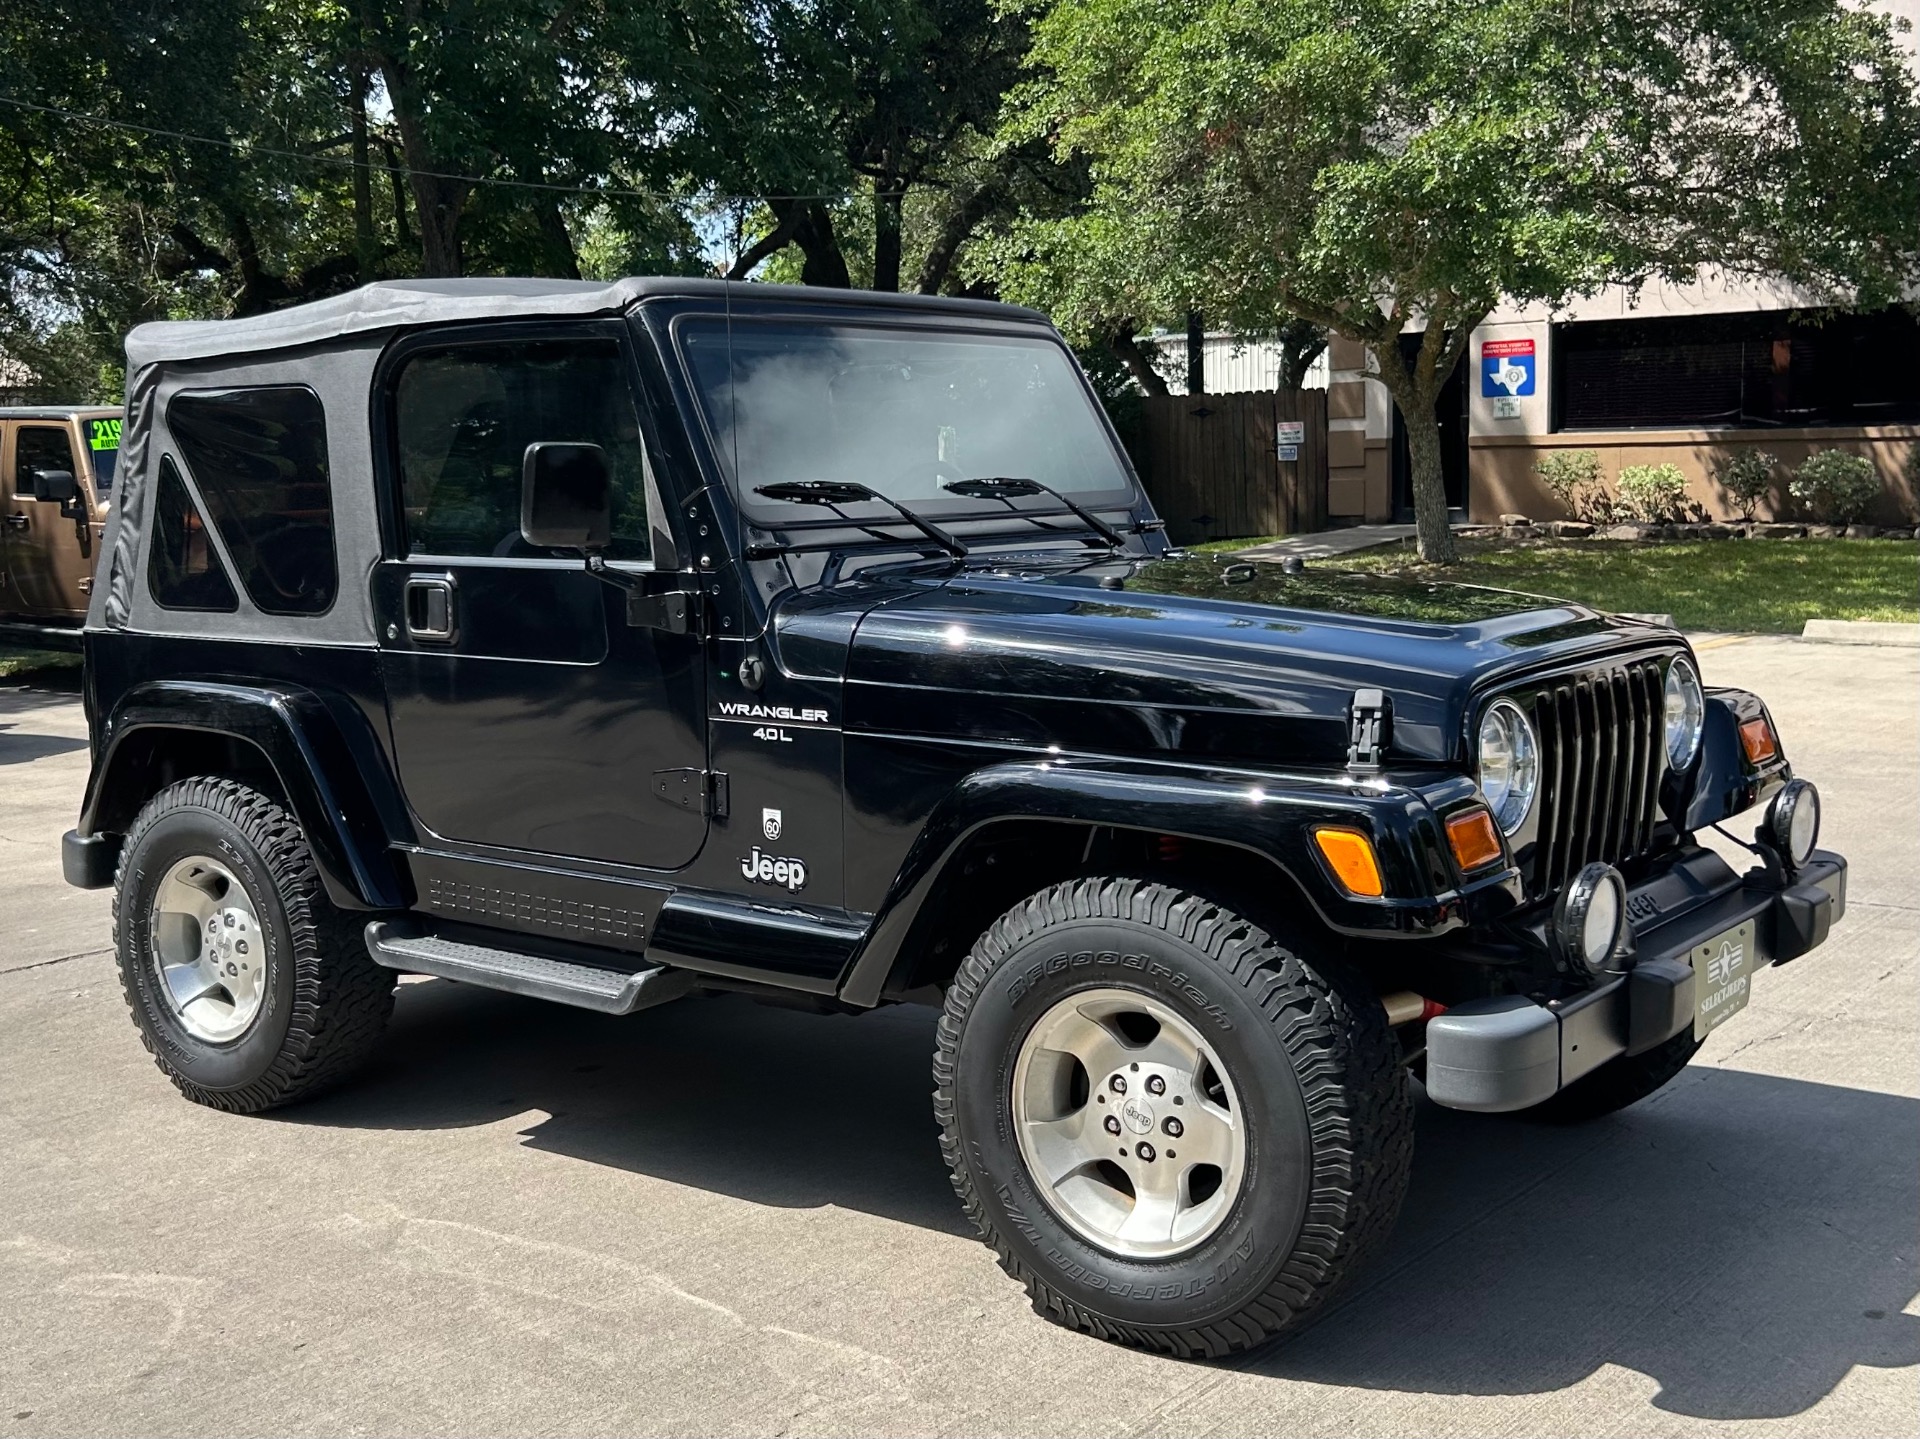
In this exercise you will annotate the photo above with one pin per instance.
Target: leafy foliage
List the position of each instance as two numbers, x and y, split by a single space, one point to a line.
1573 478
1400 165
1747 477
1835 486
1656 494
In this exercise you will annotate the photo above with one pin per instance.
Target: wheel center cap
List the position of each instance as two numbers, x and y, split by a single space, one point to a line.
1137 1114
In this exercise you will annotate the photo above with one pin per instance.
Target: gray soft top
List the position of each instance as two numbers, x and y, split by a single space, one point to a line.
399 304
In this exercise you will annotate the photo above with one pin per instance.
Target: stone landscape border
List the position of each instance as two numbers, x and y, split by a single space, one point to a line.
1519 527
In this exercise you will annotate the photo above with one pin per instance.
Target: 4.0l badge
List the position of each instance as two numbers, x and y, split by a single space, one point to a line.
766 869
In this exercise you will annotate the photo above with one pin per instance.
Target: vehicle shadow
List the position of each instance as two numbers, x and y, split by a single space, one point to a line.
18 746
1742 1240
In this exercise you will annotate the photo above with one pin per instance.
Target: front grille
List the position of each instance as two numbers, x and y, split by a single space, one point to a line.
1602 753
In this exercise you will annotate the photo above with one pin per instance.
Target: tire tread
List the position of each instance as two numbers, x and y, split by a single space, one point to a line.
341 998
1359 1104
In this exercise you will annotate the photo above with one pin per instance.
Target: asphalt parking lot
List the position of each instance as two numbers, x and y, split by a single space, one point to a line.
723 1218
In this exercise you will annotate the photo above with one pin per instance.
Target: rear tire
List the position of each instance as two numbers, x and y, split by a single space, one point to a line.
1618 1083
1308 1077
248 987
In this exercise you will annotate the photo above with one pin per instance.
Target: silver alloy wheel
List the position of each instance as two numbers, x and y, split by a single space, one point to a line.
1128 1123
205 942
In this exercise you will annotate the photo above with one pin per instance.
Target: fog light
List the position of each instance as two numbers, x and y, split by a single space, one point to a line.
1591 918
1793 821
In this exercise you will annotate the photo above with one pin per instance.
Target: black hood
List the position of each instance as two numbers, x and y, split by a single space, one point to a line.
1201 656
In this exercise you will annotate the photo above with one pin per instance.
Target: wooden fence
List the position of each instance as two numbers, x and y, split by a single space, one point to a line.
1212 465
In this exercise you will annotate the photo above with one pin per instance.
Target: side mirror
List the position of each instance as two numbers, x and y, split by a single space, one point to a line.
566 497
58 486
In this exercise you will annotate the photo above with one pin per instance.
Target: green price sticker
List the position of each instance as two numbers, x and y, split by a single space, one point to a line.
103 434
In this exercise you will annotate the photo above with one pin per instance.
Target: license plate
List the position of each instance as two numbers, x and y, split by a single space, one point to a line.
1722 978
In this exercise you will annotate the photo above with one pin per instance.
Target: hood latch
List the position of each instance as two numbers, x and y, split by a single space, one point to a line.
1369 730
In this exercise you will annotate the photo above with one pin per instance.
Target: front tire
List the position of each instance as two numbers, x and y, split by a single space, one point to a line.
1274 1061
248 987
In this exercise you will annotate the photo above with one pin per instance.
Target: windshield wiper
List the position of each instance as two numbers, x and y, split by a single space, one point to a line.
1000 487
841 492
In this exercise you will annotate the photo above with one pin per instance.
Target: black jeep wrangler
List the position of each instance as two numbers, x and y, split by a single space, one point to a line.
609 643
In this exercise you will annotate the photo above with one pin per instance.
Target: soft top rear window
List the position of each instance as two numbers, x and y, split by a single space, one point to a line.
259 459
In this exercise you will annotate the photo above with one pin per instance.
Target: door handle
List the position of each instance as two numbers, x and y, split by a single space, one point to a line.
16 522
429 606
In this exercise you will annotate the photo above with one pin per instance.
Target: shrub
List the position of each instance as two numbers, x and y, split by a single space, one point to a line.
1573 478
1656 494
1747 477
1837 488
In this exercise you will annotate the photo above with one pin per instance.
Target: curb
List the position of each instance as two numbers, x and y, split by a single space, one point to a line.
1862 632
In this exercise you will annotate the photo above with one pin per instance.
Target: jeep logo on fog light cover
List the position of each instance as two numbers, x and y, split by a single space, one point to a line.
765 869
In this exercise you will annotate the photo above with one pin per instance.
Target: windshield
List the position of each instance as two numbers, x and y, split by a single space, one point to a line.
904 412
103 446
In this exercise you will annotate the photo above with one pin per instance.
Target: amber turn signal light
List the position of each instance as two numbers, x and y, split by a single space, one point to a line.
1476 843
1759 741
1350 855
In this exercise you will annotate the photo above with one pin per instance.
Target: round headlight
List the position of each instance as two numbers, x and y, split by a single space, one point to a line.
1686 707
1509 764
1590 918
1793 821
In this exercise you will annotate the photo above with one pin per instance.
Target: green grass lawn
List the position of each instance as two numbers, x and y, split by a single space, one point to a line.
1760 586
15 663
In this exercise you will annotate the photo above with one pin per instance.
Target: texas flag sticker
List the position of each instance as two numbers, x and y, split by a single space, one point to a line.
1506 368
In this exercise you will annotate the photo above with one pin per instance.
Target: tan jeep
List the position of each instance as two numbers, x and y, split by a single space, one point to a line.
56 476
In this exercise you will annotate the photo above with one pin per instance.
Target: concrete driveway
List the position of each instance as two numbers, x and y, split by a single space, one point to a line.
724 1218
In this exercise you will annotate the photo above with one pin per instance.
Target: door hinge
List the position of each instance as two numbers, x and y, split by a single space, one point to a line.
1369 730
676 612
697 791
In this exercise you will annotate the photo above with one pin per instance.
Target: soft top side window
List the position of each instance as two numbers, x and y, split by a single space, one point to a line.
463 416
259 459
183 569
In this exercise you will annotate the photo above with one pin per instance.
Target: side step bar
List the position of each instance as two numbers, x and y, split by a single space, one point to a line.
584 986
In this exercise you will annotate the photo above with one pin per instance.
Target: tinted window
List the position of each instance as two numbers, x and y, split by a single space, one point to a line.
259 459
1774 368
899 411
40 447
183 572
103 439
463 418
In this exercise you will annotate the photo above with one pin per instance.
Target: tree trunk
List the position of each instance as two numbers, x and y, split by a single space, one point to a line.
960 223
1196 353
1122 343
823 263
1429 483
439 203
365 247
561 259
888 196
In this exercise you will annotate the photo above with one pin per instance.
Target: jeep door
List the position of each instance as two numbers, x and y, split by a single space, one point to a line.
528 716
49 554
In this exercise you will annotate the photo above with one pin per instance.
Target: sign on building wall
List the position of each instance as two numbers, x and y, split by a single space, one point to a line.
1506 368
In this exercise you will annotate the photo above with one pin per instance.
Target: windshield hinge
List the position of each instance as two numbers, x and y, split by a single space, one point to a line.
1369 730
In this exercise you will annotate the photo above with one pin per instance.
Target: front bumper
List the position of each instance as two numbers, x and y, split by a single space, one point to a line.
1513 1053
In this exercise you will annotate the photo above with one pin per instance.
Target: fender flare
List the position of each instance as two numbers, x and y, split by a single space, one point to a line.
1270 818
340 790
1722 783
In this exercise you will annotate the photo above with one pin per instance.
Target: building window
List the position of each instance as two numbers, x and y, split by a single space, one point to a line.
183 571
259 460
463 418
1766 370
